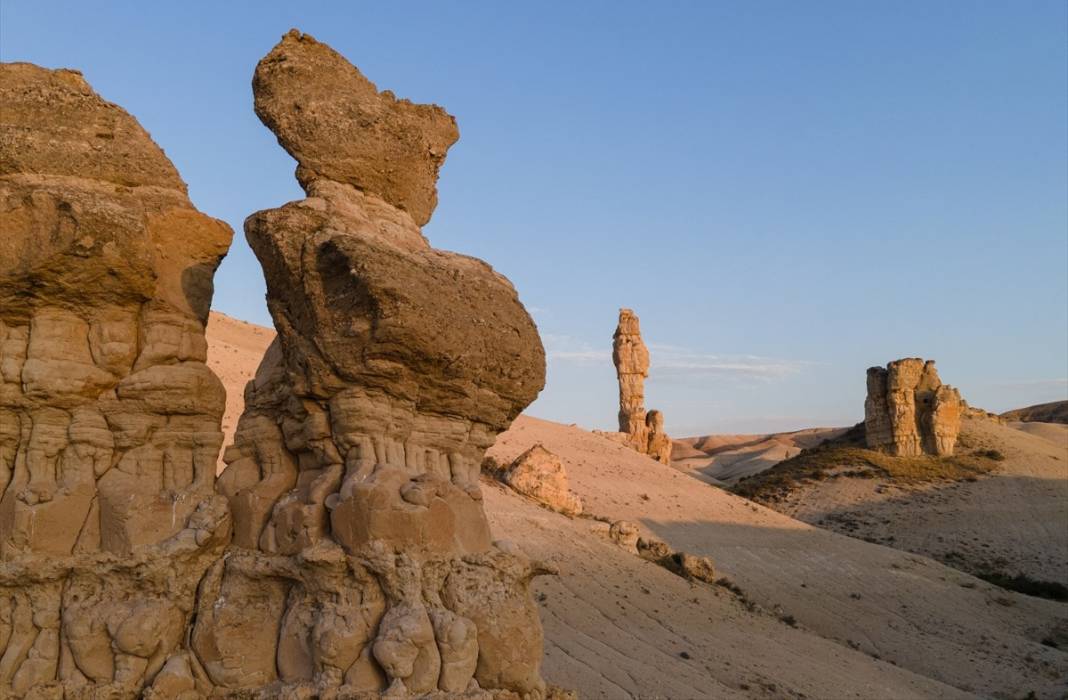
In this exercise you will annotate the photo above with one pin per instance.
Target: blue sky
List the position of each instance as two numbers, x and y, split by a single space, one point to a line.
785 192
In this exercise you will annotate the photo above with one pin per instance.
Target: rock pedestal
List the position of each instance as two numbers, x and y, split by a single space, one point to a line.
360 539
109 417
643 431
909 411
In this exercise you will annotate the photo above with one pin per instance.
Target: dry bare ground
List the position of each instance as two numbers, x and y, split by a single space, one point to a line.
723 459
1012 520
821 615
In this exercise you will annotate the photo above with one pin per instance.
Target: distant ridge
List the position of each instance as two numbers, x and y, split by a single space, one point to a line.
1052 412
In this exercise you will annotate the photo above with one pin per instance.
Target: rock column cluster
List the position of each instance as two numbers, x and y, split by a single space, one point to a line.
344 551
643 431
909 411
109 417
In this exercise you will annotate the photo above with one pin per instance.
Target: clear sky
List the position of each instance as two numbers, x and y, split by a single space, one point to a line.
785 192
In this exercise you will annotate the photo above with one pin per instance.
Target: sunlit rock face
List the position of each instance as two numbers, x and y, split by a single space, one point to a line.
109 417
909 411
642 431
360 539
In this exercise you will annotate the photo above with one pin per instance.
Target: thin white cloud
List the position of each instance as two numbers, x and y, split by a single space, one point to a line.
673 362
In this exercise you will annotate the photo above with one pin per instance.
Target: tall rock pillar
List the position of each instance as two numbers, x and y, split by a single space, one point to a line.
644 431
362 558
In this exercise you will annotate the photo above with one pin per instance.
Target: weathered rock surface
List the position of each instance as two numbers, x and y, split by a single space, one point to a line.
312 101
109 418
644 431
909 411
540 474
360 540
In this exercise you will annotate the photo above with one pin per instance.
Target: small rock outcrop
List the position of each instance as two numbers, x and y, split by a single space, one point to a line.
643 431
109 416
539 474
689 566
909 411
362 560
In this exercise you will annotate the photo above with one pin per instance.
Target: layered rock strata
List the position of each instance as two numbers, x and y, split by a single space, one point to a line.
362 559
909 411
643 432
109 417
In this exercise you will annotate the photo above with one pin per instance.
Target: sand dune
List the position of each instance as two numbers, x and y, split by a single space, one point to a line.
831 616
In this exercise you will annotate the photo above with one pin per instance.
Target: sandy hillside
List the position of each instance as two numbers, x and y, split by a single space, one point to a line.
1053 412
905 609
723 459
235 349
866 621
1011 521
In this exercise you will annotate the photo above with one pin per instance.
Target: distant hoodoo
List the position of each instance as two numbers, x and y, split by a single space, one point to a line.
644 431
909 411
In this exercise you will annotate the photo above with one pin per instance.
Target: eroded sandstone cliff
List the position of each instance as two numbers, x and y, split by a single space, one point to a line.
909 411
643 431
361 560
360 539
109 418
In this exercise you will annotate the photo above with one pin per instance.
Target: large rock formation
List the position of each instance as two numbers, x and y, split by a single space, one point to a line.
909 411
643 431
109 418
362 559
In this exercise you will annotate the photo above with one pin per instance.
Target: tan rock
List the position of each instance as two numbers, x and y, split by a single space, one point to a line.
643 431
540 474
109 418
625 534
908 411
314 101
353 478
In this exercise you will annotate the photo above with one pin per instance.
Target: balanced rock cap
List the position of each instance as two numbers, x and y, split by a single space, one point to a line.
338 126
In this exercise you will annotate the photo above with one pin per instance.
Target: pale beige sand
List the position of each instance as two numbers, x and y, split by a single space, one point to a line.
235 349
1054 432
724 459
616 626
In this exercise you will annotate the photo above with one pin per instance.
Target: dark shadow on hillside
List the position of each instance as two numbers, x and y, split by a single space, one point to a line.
966 525
892 605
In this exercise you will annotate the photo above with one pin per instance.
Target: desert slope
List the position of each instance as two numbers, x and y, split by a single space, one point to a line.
723 459
1053 412
907 609
617 626
235 349
1012 520
872 622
